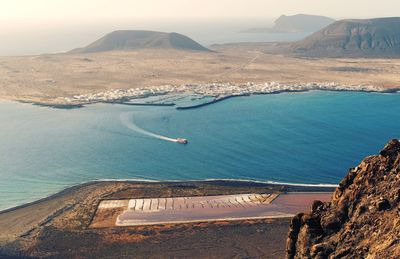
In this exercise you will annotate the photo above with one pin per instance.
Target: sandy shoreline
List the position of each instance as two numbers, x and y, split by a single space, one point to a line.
291 186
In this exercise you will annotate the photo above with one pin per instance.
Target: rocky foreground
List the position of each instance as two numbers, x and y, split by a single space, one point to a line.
363 218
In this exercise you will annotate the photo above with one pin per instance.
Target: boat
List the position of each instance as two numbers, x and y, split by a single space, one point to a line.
182 141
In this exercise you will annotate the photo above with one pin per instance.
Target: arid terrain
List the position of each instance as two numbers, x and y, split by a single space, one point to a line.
61 225
46 77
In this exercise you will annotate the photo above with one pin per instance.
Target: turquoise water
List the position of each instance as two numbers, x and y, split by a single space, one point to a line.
309 138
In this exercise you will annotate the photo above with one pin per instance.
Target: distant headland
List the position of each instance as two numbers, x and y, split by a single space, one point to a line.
295 23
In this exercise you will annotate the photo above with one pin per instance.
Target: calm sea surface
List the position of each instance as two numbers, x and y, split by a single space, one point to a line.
310 138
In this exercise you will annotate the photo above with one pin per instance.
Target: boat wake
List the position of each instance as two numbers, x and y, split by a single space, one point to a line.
127 121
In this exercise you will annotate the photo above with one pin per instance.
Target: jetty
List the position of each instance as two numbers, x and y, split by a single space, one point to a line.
217 99
147 104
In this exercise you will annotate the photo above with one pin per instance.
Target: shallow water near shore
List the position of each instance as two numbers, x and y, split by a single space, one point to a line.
307 138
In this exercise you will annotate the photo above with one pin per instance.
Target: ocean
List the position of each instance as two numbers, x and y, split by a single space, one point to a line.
302 138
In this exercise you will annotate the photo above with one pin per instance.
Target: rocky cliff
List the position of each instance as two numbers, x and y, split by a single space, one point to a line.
363 218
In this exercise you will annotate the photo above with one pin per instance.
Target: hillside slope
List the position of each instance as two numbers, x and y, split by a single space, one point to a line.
363 218
133 40
353 38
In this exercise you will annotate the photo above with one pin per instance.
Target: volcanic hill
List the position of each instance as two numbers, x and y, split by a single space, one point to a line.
134 40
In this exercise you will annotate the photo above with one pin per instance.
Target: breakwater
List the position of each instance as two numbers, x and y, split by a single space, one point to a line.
147 104
217 99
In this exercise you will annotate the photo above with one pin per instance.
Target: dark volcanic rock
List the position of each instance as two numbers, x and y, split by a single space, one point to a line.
353 38
363 218
133 40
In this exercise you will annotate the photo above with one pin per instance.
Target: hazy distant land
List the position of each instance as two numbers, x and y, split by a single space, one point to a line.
295 23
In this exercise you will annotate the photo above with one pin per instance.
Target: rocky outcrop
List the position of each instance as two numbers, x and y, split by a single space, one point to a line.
363 218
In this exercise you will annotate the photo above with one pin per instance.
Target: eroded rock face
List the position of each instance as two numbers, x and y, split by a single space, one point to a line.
363 218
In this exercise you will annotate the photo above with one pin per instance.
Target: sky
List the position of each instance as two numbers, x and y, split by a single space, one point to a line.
55 25
92 9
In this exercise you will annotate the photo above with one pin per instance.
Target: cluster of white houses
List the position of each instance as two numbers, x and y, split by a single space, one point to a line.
214 89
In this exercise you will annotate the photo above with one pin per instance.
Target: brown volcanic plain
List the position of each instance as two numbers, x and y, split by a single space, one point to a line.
46 77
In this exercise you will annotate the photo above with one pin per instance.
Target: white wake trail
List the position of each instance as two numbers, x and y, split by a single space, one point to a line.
127 121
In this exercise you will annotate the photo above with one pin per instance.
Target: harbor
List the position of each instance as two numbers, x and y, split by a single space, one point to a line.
147 104
219 91
215 100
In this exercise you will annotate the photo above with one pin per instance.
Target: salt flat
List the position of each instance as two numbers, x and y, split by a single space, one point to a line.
211 208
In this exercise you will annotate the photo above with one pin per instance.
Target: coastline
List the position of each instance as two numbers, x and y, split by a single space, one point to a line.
219 91
287 187
216 99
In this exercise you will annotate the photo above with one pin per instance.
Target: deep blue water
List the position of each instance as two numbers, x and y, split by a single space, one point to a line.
308 138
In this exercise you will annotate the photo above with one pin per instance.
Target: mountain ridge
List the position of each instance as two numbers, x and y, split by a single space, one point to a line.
378 37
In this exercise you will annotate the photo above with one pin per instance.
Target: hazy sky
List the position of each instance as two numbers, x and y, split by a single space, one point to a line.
91 9
35 26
